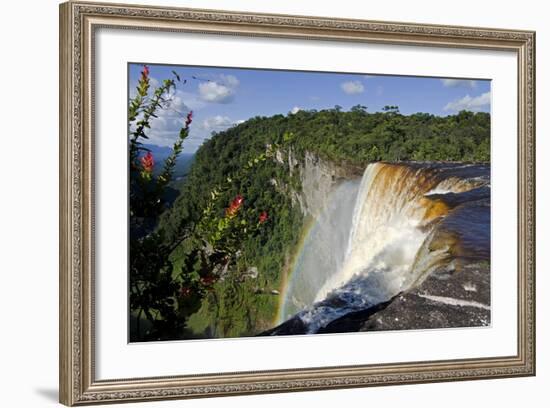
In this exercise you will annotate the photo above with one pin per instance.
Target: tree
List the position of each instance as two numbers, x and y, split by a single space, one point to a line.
164 293
391 109
359 109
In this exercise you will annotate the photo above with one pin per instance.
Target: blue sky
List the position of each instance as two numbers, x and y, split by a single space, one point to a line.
223 97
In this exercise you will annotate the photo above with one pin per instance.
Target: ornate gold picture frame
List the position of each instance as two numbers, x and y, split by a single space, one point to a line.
79 23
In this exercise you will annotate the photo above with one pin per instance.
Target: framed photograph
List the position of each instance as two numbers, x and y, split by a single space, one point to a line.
256 203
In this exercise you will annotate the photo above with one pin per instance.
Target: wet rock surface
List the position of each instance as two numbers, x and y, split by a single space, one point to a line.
448 282
349 323
457 298
449 298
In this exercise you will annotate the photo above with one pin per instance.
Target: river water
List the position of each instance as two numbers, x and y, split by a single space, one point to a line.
375 237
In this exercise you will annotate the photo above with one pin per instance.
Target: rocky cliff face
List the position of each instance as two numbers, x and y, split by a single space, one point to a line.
317 179
454 291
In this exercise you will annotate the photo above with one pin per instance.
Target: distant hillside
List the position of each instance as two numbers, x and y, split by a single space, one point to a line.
160 153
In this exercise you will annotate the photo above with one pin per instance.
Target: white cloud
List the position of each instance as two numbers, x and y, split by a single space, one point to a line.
214 92
230 80
295 110
221 90
217 123
192 100
170 119
200 131
154 82
352 87
459 83
474 104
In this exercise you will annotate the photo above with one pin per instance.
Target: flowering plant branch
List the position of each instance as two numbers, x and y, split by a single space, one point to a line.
146 190
162 294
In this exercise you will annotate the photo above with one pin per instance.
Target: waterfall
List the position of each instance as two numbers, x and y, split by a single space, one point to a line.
323 250
386 233
372 241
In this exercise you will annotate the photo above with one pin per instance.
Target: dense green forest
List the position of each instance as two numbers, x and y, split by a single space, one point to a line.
359 137
244 300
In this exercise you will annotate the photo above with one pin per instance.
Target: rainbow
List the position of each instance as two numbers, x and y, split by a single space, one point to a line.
287 279
320 249
377 223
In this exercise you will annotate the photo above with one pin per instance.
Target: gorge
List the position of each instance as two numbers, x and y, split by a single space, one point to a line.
375 222
385 234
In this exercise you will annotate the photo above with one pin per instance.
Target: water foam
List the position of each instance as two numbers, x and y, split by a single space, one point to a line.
348 266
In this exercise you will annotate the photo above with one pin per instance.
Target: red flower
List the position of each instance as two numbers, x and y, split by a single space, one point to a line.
234 206
189 119
263 217
238 200
208 280
147 162
145 72
185 291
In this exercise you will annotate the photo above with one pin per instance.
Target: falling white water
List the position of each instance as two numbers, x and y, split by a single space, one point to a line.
457 185
384 234
323 251
386 248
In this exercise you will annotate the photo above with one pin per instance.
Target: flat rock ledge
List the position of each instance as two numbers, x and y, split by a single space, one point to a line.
460 298
451 298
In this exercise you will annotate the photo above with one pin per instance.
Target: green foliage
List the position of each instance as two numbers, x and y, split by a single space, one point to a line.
190 277
238 163
237 305
357 137
166 289
147 192
158 306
